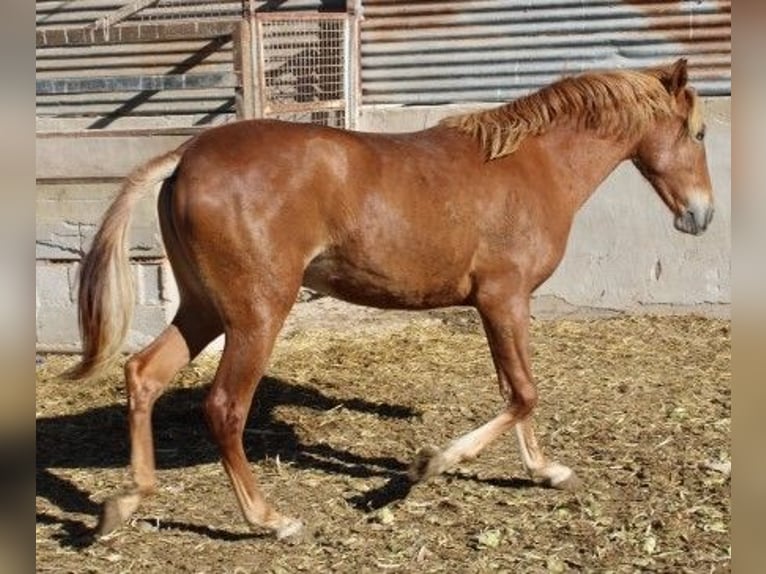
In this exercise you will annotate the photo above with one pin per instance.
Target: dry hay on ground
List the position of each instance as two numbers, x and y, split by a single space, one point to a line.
640 407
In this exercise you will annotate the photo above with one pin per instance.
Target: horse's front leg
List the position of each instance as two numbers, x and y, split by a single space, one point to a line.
543 471
506 322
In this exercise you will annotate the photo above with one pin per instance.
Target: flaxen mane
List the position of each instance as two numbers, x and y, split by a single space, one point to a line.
618 103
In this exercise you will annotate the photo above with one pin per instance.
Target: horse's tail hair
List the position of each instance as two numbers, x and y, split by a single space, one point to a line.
105 295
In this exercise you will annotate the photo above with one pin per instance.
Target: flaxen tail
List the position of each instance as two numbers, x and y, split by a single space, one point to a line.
105 298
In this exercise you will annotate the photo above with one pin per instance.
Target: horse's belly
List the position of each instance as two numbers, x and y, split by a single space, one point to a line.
389 288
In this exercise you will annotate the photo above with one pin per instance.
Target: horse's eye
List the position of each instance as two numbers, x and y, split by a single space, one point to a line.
700 135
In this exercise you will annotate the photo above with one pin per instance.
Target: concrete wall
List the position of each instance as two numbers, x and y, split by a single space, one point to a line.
77 178
67 217
623 255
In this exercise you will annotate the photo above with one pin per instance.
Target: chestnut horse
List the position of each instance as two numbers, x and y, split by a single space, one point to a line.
474 211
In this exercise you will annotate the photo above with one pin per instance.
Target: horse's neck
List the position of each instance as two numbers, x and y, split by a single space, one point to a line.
583 160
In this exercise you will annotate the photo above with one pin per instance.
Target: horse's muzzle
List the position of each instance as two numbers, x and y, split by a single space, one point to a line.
695 218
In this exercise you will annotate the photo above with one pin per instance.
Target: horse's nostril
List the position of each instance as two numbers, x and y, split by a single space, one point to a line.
694 225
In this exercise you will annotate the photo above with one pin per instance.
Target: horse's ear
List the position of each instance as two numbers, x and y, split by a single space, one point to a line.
677 77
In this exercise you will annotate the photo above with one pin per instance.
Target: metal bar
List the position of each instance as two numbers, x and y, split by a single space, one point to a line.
243 67
259 63
347 83
355 64
136 83
118 15
133 33
118 133
293 16
315 106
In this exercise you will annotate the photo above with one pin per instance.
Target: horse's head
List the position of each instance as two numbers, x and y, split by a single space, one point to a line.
671 154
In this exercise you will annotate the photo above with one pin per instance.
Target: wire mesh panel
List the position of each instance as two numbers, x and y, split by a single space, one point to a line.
303 67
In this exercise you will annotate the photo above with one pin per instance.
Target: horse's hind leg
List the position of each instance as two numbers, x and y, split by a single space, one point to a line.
245 355
147 373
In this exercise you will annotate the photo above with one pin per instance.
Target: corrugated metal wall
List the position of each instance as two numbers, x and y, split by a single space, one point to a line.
417 52
430 52
116 108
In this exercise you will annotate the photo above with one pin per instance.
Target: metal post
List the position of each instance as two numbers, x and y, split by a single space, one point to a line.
353 63
243 68
347 80
256 59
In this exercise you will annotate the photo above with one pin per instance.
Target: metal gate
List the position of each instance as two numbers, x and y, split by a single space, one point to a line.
302 68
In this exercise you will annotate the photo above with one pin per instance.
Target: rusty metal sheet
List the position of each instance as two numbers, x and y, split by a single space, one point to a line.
491 50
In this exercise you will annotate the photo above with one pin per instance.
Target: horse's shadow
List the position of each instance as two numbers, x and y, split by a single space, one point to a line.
97 438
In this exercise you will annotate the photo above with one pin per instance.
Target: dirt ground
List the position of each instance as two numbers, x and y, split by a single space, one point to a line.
638 406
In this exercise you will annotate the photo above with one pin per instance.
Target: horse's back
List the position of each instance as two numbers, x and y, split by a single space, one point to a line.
378 219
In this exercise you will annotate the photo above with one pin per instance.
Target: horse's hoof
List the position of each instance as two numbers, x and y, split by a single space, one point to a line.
429 461
291 531
571 483
561 477
115 512
110 518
